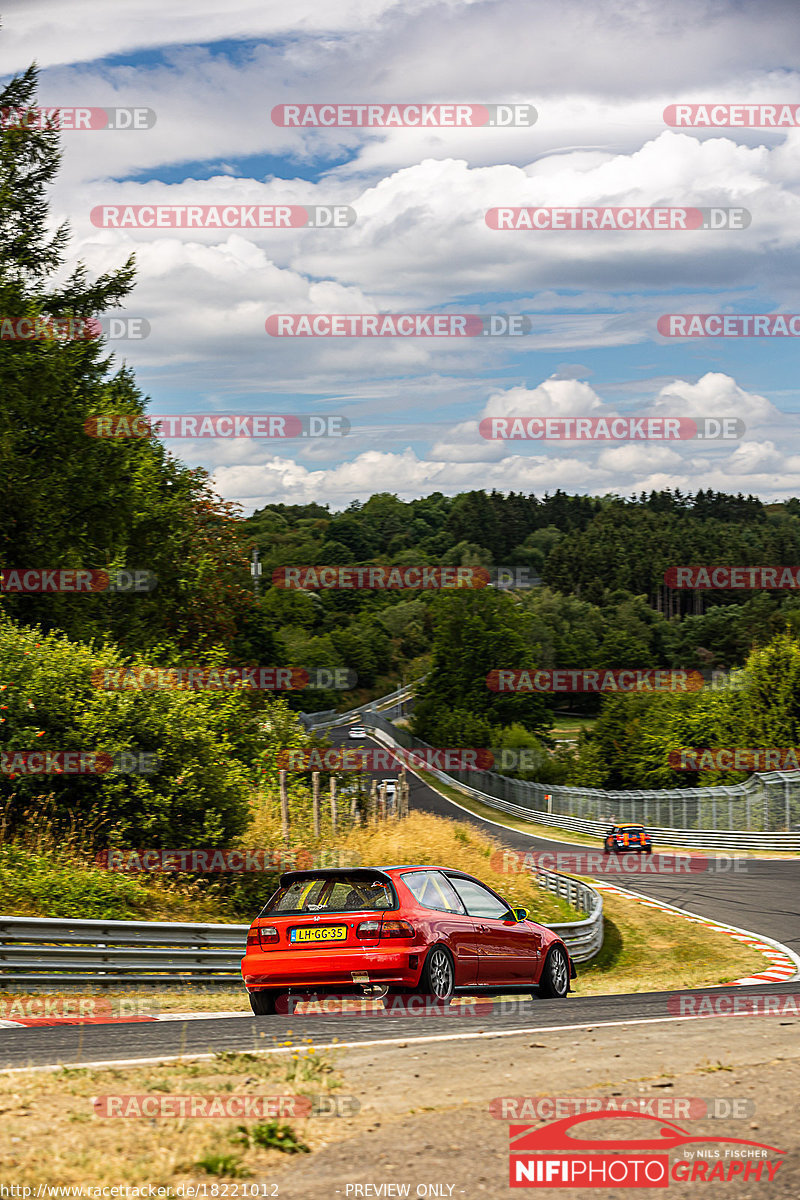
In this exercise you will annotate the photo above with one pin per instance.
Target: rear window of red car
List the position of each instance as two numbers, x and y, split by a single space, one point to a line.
332 895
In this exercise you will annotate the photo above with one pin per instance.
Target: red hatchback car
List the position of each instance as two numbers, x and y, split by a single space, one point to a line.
401 929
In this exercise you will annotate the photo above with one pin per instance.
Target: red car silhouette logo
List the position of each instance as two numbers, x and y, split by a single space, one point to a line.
555 1136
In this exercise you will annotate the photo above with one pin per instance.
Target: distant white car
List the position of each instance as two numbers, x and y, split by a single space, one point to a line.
357 733
390 788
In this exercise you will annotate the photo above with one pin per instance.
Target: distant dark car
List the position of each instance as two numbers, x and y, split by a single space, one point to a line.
621 839
423 929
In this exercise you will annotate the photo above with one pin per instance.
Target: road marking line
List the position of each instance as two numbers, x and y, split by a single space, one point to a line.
403 1041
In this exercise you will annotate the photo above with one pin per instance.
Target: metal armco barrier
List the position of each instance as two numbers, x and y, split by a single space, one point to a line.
701 839
36 950
59 954
583 939
385 704
761 814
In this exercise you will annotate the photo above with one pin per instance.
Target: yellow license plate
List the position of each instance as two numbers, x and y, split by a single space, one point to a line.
319 933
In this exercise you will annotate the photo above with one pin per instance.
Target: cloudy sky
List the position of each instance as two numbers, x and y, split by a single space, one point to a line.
599 77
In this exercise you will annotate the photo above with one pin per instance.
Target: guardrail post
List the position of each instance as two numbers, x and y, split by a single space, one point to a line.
315 801
284 806
787 796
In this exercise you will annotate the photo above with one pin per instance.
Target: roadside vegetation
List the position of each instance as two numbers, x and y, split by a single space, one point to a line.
59 880
644 950
52 1129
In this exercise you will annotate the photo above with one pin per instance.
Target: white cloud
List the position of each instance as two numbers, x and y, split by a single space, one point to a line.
599 76
462 460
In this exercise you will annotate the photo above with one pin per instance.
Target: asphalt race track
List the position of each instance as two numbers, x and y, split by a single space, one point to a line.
76 1044
765 900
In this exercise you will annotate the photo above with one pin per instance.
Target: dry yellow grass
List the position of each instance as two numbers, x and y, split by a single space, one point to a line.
422 838
51 1133
645 950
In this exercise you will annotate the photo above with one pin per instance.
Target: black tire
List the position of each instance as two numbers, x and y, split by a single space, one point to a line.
648 849
438 978
554 983
612 849
263 1003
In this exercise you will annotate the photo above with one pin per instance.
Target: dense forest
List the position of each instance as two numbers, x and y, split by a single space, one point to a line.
595 594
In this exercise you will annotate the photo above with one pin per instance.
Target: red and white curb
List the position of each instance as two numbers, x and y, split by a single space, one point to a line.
784 964
38 1022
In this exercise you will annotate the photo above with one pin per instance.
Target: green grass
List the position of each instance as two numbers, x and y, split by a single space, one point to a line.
51 883
270 1135
222 1164
568 728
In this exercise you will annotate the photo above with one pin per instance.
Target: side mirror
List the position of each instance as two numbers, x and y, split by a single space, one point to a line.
521 914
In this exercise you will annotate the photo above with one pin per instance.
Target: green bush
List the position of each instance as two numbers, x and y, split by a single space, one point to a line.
211 746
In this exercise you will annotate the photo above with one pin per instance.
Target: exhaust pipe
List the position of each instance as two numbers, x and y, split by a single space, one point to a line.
375 991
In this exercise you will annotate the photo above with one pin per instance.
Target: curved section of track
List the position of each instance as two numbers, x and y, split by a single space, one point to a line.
764 899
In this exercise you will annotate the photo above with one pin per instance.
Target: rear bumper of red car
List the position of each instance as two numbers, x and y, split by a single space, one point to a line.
309 968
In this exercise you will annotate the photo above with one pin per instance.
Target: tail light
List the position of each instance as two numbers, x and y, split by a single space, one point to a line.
396 929
386 929
262 935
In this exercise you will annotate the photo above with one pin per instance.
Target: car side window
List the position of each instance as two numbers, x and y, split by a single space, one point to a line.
478 901
433 890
